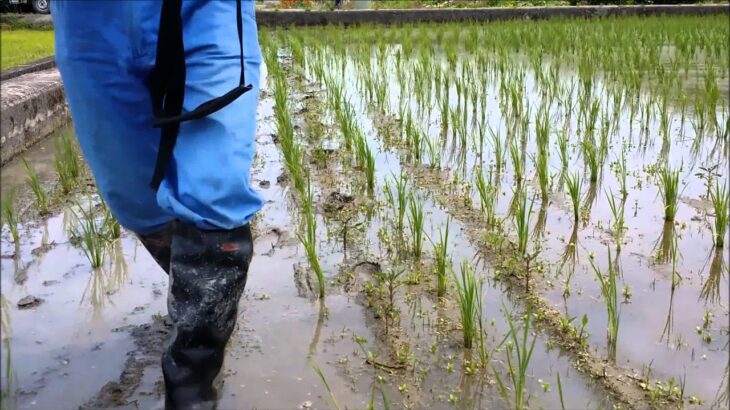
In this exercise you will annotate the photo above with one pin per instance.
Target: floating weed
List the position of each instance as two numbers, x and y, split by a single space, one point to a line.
668 184
469 294
609 291
9 214
34 182
415 207
719 198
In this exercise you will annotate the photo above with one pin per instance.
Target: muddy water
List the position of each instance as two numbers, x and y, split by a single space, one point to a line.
658 331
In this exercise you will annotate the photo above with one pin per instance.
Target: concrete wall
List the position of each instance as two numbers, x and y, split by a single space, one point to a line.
32 106
443 15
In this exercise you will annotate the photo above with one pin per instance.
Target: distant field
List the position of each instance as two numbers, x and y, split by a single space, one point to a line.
23 46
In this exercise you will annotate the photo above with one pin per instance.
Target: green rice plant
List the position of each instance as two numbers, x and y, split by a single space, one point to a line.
9 214
34 181
607 282
563 149
370 169
487 196
401 190
521 219
91 234
110 225
518 354
416 220
326 385
517 161
668 184
67 163
498 149
469 294
560 392
441 254
622 171
574 185
309 239
543 174
434 152
591 157
617 226
719 198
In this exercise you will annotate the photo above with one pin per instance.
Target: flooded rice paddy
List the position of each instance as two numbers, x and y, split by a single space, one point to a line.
503 215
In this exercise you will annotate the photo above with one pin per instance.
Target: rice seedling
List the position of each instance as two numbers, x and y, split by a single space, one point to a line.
441 254
543 175
498 149
67 163
9 214
617 226
319 372
34 182
591 157
402 195
518 354
563 149
370 169
309 239
668 184
517 161
110 225
719 198
521 220
560 392
607 282
487 196
469 294
90 233
415 219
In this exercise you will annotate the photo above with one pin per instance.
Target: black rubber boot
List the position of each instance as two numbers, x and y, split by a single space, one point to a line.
207 275
158 245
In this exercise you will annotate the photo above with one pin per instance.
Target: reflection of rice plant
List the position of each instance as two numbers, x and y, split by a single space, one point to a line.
34 181
9 215
469 295
574 184
67 163
621 169
415 218
609 291
91 235
326 385
719 198
518 353
441 255
309 239
487 196
669 189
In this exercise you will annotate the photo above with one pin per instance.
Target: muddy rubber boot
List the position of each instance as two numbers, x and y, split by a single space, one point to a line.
158 245
208 272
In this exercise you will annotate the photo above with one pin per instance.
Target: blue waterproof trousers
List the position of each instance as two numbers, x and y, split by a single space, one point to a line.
105 51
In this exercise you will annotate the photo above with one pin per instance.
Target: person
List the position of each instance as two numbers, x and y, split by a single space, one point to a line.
163 98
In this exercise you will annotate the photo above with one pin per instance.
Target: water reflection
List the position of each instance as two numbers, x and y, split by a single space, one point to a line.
710 291
663 247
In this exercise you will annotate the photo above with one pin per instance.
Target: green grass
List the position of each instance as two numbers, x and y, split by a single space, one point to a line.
24 46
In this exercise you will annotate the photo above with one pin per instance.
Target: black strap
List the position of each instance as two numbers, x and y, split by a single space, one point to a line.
167 84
